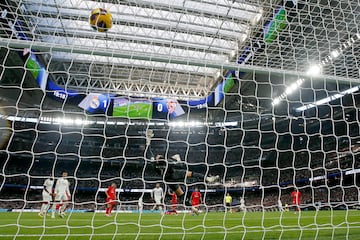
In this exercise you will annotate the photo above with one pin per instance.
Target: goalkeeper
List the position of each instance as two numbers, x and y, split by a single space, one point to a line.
173 170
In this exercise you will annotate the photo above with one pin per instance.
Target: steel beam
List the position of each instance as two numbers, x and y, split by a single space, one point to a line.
46 47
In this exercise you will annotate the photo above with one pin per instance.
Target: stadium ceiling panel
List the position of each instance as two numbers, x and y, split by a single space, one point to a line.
204 31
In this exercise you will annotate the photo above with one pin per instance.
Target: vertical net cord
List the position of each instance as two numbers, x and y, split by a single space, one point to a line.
121 177
11 137
148 156
76 178
24 200
52 173
225 174
204 197
165 183
186 190
99 182
243 174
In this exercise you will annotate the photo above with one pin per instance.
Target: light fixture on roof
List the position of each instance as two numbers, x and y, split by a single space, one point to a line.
257 17
334 54
328 99
244 37
78 121
288 91
4 13
233 54
276 101
300 81
291 88
314 70
185 124
217 74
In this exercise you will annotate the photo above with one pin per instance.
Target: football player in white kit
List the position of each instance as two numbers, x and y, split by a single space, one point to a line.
280 206
140 204
242 204
157 195
62 194
47 195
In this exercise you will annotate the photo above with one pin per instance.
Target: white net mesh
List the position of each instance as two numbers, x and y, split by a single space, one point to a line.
254 103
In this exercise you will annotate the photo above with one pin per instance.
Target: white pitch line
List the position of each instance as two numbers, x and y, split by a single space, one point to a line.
172 233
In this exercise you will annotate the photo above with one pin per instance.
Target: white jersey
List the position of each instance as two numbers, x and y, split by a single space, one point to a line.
48 184
62 187
140 202
157 194
280 206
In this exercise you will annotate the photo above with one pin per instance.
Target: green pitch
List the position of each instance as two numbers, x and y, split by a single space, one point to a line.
134 110
271 225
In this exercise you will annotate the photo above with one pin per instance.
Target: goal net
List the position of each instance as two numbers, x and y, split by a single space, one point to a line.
150 119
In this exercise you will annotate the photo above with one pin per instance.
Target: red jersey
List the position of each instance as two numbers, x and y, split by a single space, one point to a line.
173 198
296 196
195 198
111 193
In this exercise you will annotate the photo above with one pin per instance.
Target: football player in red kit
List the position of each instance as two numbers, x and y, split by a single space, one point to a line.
174 202
296 200
195 201
110 199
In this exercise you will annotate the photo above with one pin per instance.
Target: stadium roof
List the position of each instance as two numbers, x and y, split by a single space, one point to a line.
181 48
210 31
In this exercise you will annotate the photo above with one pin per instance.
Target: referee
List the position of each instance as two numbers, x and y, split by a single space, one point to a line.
228 202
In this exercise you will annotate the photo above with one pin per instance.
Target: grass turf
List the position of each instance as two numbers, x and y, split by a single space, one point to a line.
258 225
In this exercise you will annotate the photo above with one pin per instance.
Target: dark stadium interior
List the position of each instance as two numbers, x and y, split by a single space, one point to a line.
269 148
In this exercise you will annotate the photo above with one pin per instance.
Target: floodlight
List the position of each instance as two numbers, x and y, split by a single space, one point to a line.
276 101
79 121
288 90
334 54
300 81
328 99
314 70
291 88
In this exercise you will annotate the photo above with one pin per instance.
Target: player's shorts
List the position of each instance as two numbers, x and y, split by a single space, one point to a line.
46 197
111 201
158 201
195 204
61 198
296 203
228 204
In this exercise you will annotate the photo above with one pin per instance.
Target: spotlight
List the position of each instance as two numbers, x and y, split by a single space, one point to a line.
334 54
314 70
276 101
